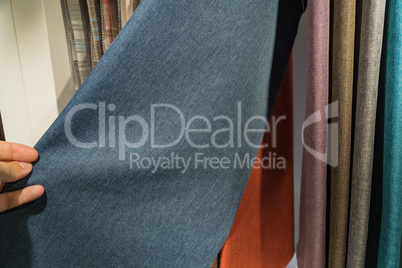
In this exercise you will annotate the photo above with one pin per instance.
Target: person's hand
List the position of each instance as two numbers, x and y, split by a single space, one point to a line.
15 163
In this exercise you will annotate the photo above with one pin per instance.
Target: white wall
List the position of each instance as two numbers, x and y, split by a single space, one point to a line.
13 103
35 79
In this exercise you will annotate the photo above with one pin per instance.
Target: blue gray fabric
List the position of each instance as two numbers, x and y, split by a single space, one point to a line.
212 61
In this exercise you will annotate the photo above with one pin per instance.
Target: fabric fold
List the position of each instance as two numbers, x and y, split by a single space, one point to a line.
187 63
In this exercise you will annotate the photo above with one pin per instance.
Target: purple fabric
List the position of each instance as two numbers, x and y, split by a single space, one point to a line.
311 246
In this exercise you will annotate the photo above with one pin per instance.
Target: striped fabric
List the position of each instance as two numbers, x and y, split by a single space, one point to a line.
72 55
126 9
122 13
110 22
131 5
80 46
91 26
96 30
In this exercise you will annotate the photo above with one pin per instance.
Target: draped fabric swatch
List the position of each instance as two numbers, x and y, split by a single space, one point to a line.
311 246
209 58
371 35
391 224
262 231
343 36
78 39
96 30
110 22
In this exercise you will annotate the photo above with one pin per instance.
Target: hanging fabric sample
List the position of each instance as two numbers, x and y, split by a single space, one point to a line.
110 22
311 245
342 60
391 224
371 35
77 33
96 30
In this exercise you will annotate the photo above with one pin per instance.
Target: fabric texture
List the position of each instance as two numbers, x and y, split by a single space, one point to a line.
391 222
262 231
91 26
110 22
78 43
78 15
70 45
371 35
96 30
122 10
373 237
342 59
104 206
311 246
130 6
126 9
215 263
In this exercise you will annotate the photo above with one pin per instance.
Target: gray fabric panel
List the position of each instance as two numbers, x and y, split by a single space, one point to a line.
80 26
72 56
372 25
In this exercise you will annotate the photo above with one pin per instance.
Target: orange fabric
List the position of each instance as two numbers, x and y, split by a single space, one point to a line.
262 232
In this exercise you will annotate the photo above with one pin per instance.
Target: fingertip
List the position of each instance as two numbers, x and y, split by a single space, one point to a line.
34 153
26 166
24 153
30 152
33 192
38 190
